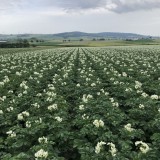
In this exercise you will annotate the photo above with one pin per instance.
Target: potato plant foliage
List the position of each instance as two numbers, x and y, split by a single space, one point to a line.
80 104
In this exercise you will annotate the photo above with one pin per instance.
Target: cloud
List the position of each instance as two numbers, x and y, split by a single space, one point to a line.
118 6
122 6
50 6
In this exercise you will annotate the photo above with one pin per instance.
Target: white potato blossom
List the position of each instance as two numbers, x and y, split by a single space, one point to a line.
9 109
144 148
39 95
23 85
111 99
86 98
144 94
3 98
41 154
84 116
99 147
39 120
115 104
53 107
106 93
128 89
98 123
81 107
78 85
141 106
42 140
93 85
20 95
25 92
22 115
10 91
6 79
98 93
59 119
154 97
113 149
138 84
1 112
124 74
28 124
18 73
2 84
36 105
11 134
128 127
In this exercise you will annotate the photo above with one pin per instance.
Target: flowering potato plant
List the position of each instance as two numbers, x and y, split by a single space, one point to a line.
80 104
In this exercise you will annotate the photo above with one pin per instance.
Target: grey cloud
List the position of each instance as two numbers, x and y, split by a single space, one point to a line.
118 6
121 6
76 4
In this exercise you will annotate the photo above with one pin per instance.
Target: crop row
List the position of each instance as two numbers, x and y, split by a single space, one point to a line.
80 103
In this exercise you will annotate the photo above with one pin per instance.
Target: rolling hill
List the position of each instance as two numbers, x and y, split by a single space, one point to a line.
75 35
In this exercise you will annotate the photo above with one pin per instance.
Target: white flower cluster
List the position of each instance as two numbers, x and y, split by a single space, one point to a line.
42 140
128 127
39 120
93 85
11 133
28 124
144 148
128 89
41 154
51 87
53 107
36 105
23 85
113 149
84 116
144 94
81 107
98 123
78 85
22 115
124 74
3 98
51 96
6 79
1 112
138 84
9 109
59 119
114 104
141 106
99 147
86 98
154 97
2 84
18 73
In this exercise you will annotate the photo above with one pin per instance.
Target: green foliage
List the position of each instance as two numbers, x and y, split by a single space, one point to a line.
80 104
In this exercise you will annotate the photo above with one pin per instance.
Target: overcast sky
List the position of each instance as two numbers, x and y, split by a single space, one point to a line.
54 16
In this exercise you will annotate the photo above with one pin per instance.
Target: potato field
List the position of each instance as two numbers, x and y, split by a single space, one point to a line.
80 104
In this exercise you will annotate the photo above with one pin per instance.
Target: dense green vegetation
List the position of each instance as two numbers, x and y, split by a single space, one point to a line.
16 44
80 103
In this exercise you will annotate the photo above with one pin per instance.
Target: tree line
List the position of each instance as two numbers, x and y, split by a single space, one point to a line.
18 44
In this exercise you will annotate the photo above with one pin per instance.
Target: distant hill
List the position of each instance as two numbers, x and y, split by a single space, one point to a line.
75 35
114 35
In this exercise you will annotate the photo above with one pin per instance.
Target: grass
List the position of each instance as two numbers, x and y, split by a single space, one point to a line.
90 43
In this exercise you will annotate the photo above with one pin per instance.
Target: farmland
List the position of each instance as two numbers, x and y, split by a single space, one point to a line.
80 103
